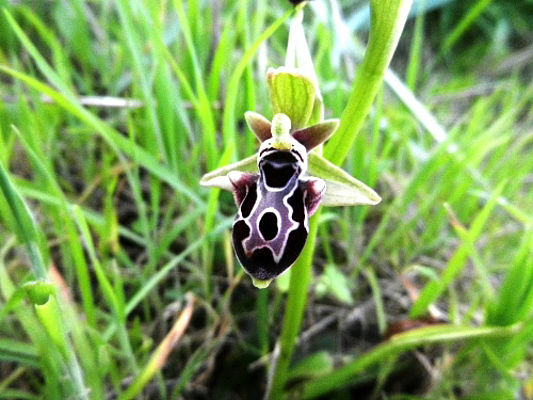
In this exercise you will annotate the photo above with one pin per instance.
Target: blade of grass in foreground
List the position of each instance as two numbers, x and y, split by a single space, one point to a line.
229 120
68 101
49 312
160 355
457 262
398 344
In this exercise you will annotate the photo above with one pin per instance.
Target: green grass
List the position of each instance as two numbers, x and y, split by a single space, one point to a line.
104 203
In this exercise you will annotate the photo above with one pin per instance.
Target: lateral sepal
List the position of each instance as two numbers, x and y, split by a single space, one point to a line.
342 189
218 178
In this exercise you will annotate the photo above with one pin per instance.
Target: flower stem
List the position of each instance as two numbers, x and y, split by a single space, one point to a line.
387 21
300 273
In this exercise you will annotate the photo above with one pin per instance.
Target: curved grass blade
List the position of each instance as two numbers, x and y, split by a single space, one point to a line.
398 344
113 138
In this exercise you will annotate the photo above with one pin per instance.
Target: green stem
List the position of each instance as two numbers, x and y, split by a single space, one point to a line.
262 320
28 233
294 308
387 21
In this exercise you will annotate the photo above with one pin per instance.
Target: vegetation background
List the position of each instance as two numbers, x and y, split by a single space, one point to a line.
117 277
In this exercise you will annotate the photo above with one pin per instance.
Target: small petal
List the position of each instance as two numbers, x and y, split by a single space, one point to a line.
241 182
259 125
315 188
315 135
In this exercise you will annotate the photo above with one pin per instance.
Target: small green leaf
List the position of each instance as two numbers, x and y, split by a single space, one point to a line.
39 291
334 282
316 364
342 189
291 93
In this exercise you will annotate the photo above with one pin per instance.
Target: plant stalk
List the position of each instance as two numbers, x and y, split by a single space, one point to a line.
300 274
386 24
387 19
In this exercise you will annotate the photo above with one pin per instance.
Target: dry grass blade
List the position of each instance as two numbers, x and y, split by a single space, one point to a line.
162 352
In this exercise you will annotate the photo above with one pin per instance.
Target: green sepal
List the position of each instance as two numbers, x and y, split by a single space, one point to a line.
39 292
342 189
218 178
291 93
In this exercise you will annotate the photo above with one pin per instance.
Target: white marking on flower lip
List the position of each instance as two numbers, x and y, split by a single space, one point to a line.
244 198
295 225
256 204
246 219
289 207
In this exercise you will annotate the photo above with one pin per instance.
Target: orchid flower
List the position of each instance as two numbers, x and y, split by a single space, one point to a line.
278 188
